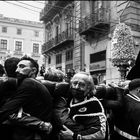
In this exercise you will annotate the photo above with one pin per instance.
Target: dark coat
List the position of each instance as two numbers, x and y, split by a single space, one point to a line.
135 70
34 98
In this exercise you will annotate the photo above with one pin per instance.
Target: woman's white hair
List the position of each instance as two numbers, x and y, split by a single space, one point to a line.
89 79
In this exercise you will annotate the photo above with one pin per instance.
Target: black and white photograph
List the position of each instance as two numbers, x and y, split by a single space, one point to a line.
70 70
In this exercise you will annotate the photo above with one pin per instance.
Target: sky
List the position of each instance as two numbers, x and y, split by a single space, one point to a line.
26 10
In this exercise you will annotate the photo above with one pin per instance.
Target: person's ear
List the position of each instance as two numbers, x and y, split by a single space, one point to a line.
34 70
138 90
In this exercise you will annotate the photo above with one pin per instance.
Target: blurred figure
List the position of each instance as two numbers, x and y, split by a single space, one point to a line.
127 122
95 80
55 75
135 70
11 66
42 70
54 81
8 87
2 71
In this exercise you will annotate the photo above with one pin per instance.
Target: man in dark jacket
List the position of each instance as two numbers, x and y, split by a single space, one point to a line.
127 121
135 70
31 95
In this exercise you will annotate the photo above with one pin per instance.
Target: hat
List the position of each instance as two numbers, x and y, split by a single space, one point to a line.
134 84
135 70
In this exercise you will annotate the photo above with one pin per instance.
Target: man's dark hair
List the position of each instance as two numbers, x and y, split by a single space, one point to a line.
2 71
11 66
135 83
33 62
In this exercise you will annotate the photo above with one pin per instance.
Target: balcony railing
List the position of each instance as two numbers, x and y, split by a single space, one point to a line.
48 45
3 50
35 55
94 21
18 53
51 9
59 40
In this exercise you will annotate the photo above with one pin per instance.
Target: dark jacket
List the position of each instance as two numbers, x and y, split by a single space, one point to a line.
127 119
91 124
34 98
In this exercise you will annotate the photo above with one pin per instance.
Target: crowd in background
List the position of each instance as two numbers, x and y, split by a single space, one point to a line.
47 104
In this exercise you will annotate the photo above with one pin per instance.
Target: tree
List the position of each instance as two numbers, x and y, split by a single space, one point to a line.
123 52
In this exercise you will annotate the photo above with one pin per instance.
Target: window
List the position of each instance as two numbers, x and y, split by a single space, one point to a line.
99 56
69 24
59 59
49 60
59 68
58 30
49 35
19 31
69 55
69 67
35 48
3 44
4 29
18 46
36 34
57 33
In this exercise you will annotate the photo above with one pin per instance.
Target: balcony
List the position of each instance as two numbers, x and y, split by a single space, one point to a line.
47 45
18 53
3 50
35 55
51 9
58 43
95 22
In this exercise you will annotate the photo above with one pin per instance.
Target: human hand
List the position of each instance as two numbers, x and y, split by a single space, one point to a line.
124 84
113 84
3 79
66 133
46 126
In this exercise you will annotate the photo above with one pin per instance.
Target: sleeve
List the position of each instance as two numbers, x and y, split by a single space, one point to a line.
94 125
135 120
30 122
96 128
19 99
115 103
62 90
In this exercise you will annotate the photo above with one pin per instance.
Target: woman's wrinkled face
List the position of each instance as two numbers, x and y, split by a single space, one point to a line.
79 86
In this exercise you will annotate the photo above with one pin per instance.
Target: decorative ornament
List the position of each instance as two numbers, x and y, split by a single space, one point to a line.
123 52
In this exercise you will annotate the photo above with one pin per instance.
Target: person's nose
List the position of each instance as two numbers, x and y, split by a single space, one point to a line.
77 86
17 70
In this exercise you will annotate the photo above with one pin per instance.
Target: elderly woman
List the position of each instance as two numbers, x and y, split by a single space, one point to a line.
80 113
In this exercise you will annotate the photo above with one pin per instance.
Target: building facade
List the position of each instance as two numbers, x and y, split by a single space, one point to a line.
78 34
20 37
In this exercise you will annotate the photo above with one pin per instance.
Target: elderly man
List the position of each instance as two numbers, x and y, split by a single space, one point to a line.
80 113
31 95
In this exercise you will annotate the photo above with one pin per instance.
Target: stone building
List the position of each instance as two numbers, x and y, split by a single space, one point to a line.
19 37
78 34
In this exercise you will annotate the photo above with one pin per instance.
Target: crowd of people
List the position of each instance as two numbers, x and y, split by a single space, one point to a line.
47 107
